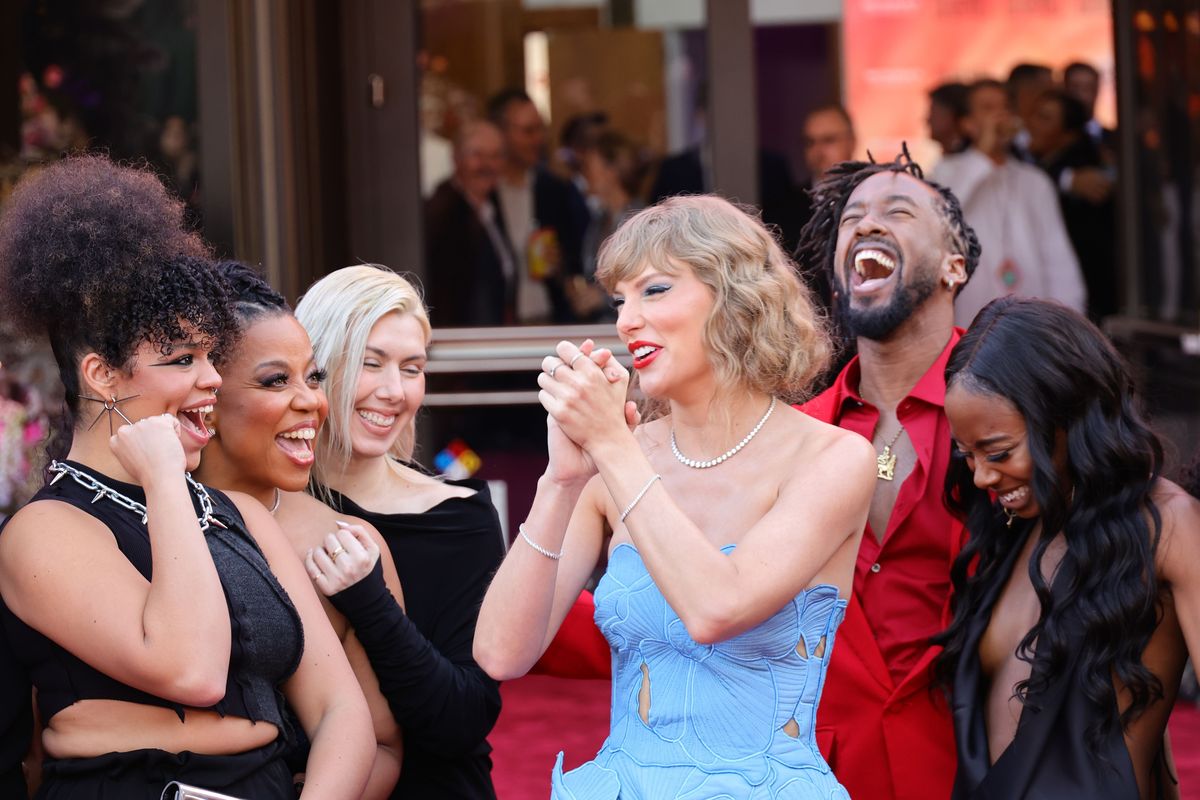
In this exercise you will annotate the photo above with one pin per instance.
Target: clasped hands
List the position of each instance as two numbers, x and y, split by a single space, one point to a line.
583 389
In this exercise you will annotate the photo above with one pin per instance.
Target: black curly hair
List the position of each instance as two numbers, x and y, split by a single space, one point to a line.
251 295
1067 382
96 256
818 238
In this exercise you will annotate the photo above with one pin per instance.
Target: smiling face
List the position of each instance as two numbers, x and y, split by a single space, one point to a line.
661 314
182 382
891 253
990 434
391 386
270 411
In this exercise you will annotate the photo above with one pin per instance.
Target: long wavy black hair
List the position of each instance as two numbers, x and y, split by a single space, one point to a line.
1070 385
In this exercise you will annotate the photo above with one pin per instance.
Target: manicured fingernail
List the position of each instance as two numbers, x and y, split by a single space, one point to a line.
341 524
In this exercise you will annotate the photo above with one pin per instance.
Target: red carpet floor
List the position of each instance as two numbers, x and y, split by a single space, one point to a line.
544 715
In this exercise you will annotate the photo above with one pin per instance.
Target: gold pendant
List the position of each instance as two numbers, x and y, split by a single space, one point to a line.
885 464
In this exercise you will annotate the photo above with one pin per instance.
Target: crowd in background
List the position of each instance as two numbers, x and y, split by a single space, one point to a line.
519 223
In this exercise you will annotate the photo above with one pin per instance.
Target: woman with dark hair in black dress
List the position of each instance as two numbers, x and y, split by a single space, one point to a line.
1077 598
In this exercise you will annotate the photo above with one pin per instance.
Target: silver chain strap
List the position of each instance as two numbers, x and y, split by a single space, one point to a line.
206 518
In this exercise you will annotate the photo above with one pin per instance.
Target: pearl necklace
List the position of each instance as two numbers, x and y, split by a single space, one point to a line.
712 462
206 518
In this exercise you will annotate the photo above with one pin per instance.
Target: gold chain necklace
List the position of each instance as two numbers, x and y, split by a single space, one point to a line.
885 462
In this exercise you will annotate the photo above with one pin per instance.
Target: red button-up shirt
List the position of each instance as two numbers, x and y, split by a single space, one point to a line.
883 730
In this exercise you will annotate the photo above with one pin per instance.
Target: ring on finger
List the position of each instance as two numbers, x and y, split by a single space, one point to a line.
576 358
337 551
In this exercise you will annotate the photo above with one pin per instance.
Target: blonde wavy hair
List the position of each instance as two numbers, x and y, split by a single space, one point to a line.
764 332
339 312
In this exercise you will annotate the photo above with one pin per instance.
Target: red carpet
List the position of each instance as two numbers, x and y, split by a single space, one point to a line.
543 715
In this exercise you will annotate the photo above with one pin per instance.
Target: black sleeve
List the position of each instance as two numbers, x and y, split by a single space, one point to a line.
446 706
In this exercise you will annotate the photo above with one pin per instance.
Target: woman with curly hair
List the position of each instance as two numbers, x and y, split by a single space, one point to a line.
1077 597
162 623
730 521
263 435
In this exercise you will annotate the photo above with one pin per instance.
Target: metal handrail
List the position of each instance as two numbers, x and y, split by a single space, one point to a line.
467 351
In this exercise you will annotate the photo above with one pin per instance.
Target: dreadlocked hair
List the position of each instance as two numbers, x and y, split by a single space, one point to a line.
1070 386
818 239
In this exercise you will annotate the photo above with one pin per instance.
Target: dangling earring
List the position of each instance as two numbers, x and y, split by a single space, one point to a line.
1011 516
109 407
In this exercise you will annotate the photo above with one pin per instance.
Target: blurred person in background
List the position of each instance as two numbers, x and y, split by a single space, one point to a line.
1082 81
1025 84
613 168
578 135
1058 140
947 108
543 215
470 265
690 172
828 139
1013 207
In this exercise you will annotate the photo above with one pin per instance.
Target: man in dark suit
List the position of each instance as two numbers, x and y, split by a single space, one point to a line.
1082 81
1059 140
544 216
470 267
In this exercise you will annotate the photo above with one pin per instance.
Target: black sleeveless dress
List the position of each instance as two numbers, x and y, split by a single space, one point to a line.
268 640
1049 757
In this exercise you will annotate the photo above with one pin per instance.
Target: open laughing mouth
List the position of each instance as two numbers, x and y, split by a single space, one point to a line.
297 443
873 266
191 420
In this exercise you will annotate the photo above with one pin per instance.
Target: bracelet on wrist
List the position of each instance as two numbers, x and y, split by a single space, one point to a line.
629 508
536 546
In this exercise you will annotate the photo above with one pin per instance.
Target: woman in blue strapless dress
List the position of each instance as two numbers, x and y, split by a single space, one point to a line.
729 520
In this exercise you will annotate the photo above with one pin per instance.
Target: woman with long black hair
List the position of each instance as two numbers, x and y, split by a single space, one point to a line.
1077 598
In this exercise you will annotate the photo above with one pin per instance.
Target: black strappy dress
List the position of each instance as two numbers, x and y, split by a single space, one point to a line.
1049 757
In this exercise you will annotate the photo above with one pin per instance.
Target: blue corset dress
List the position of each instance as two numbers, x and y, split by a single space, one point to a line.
730 720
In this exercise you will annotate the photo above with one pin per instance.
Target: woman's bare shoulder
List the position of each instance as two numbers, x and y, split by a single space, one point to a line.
51 521
1180 513
815 438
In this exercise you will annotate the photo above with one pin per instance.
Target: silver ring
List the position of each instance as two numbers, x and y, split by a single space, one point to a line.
555 369
578 356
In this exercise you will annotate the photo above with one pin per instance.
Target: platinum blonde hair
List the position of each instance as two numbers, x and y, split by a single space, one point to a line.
339 312
764 333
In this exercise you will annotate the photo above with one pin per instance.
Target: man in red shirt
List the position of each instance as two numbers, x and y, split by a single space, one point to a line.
897 251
